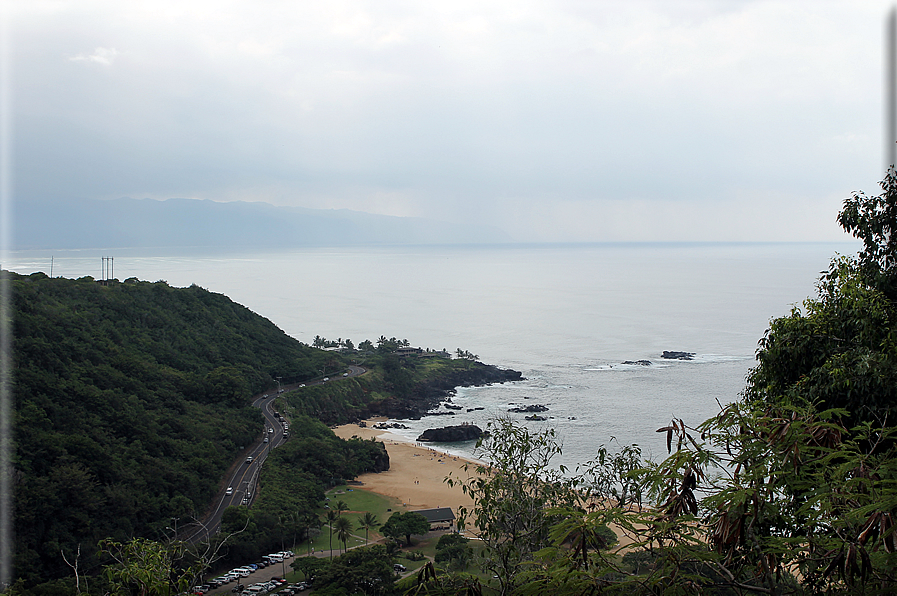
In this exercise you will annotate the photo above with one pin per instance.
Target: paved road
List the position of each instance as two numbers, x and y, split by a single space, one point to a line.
244 474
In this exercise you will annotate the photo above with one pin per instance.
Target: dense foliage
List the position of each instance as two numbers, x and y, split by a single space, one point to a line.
453 550
404 524
131 400
394 386
365 570
514 496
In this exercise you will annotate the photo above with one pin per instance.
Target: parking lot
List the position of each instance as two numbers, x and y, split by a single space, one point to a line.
278 569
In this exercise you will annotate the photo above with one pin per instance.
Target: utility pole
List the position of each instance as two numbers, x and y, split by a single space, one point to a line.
107 271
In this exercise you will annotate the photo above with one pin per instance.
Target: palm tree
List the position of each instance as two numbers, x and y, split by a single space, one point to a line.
367 522
307 521
331 518
343 530
340 507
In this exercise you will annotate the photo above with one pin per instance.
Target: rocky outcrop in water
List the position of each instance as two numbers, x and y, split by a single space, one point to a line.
678 355
451 434
528 409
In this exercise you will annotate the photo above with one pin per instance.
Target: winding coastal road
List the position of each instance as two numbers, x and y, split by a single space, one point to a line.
243 474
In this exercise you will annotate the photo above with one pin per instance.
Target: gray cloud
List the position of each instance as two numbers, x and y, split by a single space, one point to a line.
554 121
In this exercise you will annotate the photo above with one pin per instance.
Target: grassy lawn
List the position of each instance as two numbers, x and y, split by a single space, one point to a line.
359 502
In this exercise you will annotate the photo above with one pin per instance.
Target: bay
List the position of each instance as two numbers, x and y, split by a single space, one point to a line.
566 316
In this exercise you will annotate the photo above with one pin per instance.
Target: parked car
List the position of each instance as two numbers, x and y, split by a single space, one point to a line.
399 568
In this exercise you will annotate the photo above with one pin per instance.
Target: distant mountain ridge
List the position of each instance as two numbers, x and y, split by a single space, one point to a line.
86 223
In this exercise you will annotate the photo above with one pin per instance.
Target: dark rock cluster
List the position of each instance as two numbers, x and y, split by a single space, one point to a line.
528 409
451 434
678 355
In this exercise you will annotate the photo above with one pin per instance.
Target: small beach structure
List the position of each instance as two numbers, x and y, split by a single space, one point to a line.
443 518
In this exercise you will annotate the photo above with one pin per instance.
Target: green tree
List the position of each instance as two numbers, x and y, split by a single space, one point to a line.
453 549
616 478
309 566
368 521
839 350
405 524
514 493
343 528
308 520
227 385
366 570
145 568
331 520
874 221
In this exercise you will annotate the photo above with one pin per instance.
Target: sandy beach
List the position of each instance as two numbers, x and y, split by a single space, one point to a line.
416 473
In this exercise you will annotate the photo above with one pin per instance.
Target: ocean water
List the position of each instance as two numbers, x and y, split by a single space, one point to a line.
566 316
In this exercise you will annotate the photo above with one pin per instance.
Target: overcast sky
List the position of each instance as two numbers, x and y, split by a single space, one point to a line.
556 120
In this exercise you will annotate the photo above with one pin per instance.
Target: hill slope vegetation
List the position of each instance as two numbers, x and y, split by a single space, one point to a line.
131 401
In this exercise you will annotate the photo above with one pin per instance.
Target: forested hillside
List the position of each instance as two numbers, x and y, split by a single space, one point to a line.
131 400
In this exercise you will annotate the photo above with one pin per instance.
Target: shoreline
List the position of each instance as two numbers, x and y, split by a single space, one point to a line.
416 472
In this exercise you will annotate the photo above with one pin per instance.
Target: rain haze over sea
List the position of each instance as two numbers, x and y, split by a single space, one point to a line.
566 316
